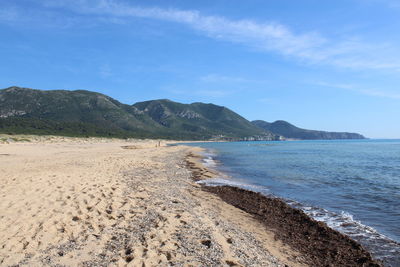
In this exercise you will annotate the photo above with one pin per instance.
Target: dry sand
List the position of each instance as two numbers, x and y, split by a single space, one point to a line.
102 202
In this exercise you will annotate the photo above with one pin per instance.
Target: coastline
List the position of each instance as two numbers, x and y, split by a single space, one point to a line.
112 202
102 202
319 244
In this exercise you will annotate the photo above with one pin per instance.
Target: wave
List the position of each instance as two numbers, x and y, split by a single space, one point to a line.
208 158
380 246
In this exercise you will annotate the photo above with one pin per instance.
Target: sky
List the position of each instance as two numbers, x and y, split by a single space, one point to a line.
325 65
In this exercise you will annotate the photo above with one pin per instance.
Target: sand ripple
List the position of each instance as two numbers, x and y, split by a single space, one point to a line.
97 204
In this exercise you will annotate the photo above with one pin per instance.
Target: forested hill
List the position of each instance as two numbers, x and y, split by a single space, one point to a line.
290 131
84 113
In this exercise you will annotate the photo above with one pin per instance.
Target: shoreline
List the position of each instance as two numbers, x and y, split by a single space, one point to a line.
318 243
95 202
101 202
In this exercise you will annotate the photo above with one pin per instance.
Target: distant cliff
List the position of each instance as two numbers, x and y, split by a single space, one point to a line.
290 131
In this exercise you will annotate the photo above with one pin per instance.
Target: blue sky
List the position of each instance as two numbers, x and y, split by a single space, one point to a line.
328 65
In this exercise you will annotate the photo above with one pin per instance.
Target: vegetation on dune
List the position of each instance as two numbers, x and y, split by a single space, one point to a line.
26 125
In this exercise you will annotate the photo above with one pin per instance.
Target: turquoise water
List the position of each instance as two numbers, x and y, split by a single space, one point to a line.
354 186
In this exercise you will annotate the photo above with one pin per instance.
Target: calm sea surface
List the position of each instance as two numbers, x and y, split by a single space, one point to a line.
353 186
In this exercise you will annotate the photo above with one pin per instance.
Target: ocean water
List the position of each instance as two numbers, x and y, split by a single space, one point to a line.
352 185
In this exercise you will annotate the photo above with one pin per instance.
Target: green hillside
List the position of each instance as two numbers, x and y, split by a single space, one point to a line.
204 121
290 131
84 113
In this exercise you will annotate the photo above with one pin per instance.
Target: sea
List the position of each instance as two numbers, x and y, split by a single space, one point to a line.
351 185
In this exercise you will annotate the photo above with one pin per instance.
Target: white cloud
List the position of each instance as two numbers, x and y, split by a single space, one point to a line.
308 47
268 36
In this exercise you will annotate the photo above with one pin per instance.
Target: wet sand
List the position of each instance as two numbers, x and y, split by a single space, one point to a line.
102 202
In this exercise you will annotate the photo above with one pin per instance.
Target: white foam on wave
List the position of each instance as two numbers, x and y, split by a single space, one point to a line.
208 159
382 247
209 162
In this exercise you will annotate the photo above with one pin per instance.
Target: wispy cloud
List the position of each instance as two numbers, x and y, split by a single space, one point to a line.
269 36
361 90
309 47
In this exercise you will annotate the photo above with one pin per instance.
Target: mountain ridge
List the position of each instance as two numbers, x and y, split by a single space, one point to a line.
290 131
92 113
86 113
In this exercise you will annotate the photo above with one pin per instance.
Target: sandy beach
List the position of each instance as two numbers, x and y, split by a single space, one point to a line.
103 202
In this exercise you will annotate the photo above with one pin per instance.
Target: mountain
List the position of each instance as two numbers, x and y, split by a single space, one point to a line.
290 131
85 113
61 110
81 113
202 121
